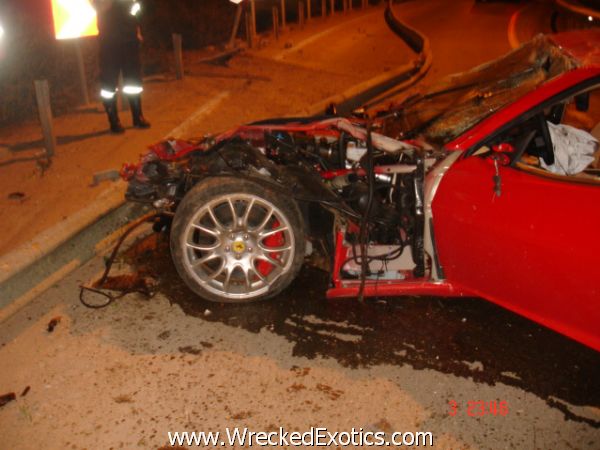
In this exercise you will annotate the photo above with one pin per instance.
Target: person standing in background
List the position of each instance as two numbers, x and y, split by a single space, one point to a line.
119 39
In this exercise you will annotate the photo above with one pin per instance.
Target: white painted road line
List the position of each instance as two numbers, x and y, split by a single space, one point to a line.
183 130
318 36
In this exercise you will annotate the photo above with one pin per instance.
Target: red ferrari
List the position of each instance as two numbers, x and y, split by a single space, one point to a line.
486 184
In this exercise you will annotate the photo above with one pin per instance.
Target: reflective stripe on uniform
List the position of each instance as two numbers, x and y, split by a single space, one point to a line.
107 94
132 90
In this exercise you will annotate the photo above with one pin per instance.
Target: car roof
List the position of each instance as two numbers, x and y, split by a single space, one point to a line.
583 45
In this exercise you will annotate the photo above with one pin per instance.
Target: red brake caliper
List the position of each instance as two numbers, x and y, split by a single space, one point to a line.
275 240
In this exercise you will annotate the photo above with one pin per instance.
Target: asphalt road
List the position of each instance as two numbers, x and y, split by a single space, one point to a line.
358 45
126 375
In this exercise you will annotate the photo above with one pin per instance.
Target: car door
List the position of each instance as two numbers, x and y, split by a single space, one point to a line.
533 247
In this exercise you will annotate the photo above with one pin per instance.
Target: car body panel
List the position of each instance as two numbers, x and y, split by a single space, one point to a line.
581 44
533 249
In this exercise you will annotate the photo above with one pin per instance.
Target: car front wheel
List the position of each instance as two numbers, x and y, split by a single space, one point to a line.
234 240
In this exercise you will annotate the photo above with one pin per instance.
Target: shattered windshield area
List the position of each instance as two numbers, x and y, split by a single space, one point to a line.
456 103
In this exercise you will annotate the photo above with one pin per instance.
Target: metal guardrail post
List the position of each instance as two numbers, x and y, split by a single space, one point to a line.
283 25
350 5
42 95
253 19
323 8
178 56
236 25
301 14
331 7
275 13
248 23
81 69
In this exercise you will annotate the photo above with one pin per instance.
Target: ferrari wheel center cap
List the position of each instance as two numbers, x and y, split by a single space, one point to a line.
238 247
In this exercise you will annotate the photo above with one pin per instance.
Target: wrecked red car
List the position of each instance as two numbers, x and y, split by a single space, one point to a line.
485 184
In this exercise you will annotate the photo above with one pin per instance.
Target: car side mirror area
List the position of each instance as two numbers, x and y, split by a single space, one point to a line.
499 157
503 147
500 153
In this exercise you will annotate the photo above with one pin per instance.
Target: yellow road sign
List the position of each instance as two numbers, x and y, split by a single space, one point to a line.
73 19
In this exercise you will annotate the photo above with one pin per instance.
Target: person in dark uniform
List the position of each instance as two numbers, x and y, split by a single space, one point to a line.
119 39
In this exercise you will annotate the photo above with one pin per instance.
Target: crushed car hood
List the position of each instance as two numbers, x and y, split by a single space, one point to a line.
451 106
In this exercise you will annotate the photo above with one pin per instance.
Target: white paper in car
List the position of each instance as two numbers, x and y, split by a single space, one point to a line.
573 149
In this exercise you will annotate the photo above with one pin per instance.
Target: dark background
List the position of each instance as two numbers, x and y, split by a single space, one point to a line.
30 52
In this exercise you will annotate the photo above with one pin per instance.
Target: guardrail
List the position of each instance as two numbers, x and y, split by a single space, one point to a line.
388 84
303 11
415 40
571 15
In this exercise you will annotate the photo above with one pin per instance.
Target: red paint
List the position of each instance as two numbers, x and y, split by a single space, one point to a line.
533 250
274 240
341 253
385 288
581 44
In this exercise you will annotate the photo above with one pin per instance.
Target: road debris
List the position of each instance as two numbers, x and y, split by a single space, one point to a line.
7 398
190 350
124 284
105 175
53 322
25 391
131 282
16 196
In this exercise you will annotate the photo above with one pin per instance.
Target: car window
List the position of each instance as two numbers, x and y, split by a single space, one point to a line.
562 141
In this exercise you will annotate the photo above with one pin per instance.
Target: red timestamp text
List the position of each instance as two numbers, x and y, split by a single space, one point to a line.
478 408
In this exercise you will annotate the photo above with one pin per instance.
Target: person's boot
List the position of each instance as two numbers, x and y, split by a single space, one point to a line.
135 103
110 105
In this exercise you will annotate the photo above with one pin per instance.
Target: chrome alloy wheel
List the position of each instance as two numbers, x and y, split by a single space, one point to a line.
237 245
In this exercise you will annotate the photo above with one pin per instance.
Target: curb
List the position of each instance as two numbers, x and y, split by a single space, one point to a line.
399 78
77 248
34 267
52 238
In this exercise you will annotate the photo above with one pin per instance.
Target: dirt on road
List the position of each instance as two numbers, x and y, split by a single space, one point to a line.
127 375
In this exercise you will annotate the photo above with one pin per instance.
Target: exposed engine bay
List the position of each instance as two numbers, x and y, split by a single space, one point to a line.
352 193
360 192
